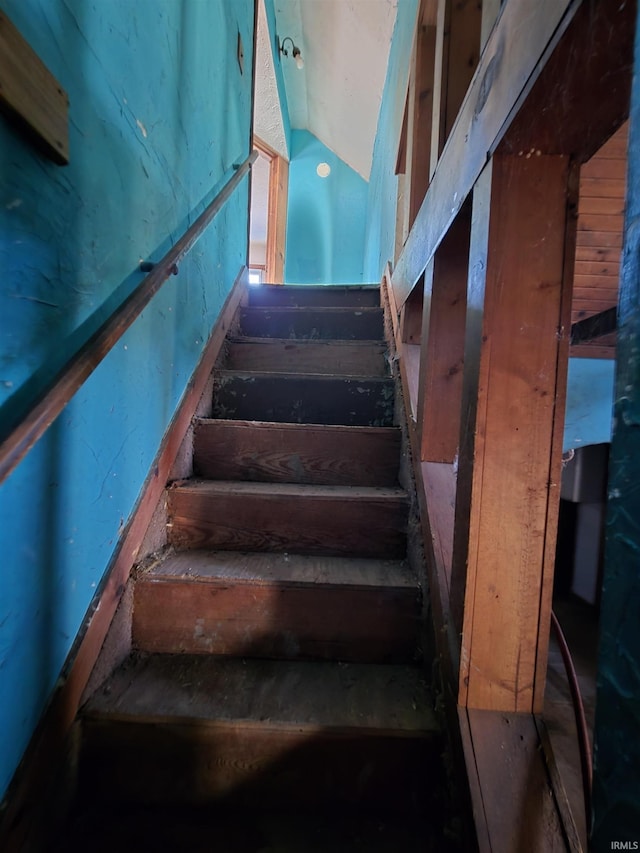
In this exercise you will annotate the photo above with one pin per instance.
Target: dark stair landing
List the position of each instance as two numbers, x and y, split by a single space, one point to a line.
275 699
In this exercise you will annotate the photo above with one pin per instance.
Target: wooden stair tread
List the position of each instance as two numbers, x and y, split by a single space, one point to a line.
312 696
351 357
265 568
316 323
292 490
297 377
325 294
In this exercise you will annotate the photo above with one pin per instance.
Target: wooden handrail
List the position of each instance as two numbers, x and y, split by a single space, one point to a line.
81 365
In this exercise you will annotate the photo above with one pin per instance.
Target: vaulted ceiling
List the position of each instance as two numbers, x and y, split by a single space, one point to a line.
337 95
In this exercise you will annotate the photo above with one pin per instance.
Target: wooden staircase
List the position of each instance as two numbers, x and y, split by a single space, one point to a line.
275 698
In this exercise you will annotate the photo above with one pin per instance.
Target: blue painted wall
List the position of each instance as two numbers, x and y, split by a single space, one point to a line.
589 402
383 183
159 114
325 217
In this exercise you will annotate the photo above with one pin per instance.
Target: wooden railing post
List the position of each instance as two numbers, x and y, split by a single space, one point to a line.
516 353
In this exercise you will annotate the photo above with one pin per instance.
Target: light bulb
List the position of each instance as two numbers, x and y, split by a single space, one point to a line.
298 58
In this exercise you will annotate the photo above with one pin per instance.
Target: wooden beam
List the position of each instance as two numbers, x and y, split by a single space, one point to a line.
31 96
422 92
505 73
442 351
511 441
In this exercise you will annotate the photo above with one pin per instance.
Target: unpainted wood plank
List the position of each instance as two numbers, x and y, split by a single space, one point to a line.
287 615
598 254
508 757
439 481
290 568
604 187
593 351
318 296
304 398
300 453
360 522
601 205
600 222
424 71
346 358
312 323
511 461
31 96
599 168
596 270
463 33
306 695
442 355
599 240
616 146
587 307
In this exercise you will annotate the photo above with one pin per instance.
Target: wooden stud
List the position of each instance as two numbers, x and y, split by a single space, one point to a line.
511 440
422 117
442 355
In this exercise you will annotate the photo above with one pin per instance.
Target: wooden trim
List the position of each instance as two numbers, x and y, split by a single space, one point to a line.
277 220
504 75
276 212
46 748
31 96
21 438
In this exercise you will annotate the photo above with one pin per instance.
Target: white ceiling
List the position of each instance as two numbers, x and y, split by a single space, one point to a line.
337 95
267 118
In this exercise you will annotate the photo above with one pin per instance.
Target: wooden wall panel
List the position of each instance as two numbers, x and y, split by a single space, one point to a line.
599 237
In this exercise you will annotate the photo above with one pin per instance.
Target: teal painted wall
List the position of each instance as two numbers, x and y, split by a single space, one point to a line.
616 766
325 217
589 402
159 113
383 183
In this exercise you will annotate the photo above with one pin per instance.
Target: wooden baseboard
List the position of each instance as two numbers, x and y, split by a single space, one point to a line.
46 751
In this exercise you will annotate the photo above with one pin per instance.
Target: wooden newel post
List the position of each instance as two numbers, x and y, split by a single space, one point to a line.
515 362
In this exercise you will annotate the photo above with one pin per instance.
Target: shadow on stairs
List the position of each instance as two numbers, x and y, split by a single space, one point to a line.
276 699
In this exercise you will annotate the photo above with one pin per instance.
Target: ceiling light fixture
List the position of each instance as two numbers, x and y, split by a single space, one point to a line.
295 51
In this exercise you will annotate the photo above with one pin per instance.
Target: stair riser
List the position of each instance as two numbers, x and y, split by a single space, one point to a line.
349 297
345 359
303 525
312 324
126 761
307 400
288 454
291 621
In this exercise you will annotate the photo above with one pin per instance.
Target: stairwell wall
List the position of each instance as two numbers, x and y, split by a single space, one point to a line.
325 216
383 183
159 113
